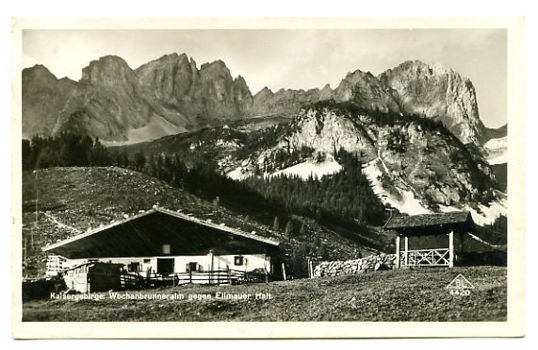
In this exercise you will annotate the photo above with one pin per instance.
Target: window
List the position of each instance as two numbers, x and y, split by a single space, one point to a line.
133 267
147 261
192 266
166 248
238 261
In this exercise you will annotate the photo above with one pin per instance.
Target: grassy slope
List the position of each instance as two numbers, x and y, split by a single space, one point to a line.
86 198
401 295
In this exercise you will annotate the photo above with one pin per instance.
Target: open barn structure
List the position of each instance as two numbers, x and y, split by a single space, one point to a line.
446 232
165 243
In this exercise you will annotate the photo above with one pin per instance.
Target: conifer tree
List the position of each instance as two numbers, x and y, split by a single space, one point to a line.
276 224
289 229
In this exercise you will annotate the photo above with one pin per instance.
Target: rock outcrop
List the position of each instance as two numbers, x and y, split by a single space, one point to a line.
43 97
175 83
435 92
366 91
285 101
106 103
414 165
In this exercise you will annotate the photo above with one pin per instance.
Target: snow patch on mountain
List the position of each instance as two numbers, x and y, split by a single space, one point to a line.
239 173
483 215
304 170
488 214
406 204
310 168
496 150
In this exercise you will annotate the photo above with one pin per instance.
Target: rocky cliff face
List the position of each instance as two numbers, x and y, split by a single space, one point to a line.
367 92
412 88
175 83
171 95
285 101
435 92
43 96
415 166
361 88
106 102
115 103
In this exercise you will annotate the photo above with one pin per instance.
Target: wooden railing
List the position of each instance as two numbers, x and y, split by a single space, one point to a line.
426 257
132 280
211 277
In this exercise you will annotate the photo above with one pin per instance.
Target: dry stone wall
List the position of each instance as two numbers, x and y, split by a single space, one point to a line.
355 266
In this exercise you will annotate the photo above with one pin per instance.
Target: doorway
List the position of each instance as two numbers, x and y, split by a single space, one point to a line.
165 266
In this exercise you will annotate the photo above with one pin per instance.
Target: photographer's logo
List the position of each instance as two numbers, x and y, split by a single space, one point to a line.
460 286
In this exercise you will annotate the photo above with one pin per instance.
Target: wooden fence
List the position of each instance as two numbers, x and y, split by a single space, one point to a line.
426 257
229 276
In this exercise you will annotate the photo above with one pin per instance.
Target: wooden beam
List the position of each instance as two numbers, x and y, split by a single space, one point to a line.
397 251
451 249
309 264
406 251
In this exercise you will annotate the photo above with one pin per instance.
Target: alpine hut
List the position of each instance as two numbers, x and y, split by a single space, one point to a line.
161 242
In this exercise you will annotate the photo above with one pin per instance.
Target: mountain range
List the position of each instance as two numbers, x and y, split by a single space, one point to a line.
172 94
415 128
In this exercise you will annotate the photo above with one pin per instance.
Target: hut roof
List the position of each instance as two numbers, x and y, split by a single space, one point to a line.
455 217
144 234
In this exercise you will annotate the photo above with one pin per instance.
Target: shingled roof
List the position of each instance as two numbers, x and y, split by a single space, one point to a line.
455 217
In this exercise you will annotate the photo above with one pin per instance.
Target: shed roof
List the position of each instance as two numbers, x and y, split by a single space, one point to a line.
423 220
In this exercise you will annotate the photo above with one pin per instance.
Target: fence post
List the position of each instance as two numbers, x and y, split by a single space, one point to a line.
284 271
406 251
211 269
190 276
229 275
451 249
398 251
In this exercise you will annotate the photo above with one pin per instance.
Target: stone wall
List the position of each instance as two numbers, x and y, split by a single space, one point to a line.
355 266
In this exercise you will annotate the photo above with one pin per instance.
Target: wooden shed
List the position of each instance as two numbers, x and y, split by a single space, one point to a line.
93 277
448 231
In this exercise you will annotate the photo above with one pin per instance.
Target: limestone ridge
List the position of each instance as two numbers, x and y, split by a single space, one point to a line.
171 94
176 84
43 96
106 102
436 92
414 165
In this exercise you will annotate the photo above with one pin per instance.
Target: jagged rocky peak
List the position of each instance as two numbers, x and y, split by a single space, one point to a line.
433 91
38 70
264 92
326 92
107 70
171 93
168 77
217 66
106 102
43 96
366 91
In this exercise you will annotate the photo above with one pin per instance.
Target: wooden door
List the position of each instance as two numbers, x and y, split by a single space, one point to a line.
165 266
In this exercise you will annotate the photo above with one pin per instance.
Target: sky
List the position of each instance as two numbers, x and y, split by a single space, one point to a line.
293 59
